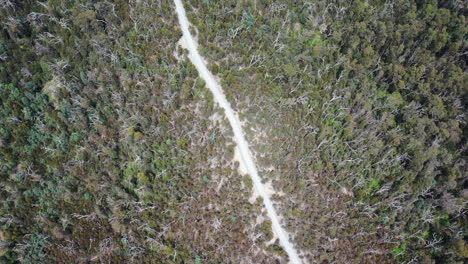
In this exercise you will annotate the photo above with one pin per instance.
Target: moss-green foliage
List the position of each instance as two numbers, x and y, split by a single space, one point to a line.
32 249
365 99
107 152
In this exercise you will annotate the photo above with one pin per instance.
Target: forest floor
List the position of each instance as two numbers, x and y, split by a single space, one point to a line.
244 154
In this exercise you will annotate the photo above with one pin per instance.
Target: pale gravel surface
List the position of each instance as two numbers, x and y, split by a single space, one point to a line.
245 156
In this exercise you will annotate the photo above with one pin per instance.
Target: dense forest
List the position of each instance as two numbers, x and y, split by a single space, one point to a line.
113 151
362 105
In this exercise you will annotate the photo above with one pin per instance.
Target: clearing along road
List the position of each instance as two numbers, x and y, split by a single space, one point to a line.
245 155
